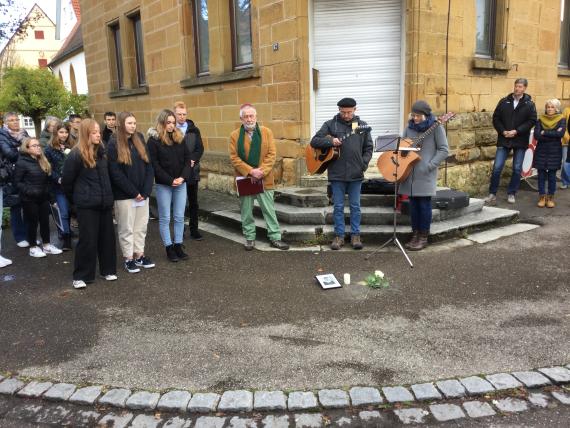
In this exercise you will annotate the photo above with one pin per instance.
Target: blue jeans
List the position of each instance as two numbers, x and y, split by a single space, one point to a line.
63 207
167 197
339 189
565 173
420 213
543 176
500 158
18 225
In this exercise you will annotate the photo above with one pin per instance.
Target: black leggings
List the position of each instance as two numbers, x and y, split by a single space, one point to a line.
34 213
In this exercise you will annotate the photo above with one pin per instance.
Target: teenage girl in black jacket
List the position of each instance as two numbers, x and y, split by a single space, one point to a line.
32 180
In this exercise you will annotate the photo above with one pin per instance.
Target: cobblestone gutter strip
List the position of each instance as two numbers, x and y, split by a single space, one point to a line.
473 396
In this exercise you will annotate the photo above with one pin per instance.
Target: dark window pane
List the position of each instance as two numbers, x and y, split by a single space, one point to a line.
139 53
116 31
485 27
564 55
202 38
241 15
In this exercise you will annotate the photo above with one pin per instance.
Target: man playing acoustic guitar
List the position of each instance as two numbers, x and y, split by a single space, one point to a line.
346 173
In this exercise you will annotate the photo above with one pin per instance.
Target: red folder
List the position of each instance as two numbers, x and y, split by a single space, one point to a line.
247 186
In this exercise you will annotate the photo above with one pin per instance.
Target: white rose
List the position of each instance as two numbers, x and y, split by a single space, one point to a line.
379 274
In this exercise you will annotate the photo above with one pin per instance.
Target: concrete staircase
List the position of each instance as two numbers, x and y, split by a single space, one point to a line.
305 216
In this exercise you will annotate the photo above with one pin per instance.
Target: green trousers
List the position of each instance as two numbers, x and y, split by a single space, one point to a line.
267 206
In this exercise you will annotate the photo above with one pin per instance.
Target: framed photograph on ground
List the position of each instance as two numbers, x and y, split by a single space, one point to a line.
327 281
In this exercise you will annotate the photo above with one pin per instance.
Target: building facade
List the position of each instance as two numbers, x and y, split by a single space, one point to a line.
293 59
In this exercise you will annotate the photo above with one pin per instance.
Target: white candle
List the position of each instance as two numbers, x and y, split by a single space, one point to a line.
346 279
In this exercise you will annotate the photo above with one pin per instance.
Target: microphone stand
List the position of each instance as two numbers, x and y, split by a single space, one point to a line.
394 238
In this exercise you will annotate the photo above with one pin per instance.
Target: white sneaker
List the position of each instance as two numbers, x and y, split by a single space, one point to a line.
37 252
4 262
51 249
511 199
564 186
77 283
109 277
23 244
491 199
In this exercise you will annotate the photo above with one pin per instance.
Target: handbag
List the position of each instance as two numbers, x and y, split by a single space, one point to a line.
6 171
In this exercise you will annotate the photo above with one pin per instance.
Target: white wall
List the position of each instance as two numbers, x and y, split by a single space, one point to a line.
78 62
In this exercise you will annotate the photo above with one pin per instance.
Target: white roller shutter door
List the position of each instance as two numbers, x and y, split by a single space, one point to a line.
357 51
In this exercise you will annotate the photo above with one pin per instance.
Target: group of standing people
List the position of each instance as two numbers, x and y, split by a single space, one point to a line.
514 119
105 177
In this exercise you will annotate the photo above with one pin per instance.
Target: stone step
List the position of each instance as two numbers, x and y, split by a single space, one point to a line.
483 219
317 197
378 215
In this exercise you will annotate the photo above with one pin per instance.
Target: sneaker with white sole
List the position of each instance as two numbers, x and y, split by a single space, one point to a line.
4 262
131 266
77 283
23 244
491 199
51 249
511 199
37 252
144 262
563 186
109 277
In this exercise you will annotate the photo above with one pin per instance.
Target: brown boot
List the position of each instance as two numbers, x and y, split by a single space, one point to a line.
337 243
356 242
550 201
412 240
421 243
541 201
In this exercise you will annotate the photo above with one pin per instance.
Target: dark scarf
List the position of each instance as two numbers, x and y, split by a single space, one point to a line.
422 126
255 148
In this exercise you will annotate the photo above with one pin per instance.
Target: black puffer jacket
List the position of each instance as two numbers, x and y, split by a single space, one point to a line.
9 146
87 187
507 118
56 159
193 139
128 181
355 152
31 180
168 162
548 153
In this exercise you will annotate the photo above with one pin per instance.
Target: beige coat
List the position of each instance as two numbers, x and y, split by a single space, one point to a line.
267 157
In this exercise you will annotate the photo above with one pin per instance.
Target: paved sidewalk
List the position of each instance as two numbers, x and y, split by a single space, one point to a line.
231 320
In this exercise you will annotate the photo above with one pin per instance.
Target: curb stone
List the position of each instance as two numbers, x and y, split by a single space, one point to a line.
115 397
532 379
143 400
174 401
333 398
116 420
60 392
87 395
503 381
397 394
478 409
446 412
209 422
476 385
203 402
177 422
538 399
556 374
309 420
426 391
269 400
451 388
10 386
363 396
236 401
561 396
237 422
411 416
511 405
145 421
300 400
34 389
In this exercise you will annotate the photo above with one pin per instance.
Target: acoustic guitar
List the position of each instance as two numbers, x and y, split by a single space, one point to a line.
396 166
318 160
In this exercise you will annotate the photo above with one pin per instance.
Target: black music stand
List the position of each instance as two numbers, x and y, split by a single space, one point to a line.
394 238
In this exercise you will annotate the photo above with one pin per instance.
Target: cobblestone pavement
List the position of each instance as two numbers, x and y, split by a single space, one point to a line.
492 400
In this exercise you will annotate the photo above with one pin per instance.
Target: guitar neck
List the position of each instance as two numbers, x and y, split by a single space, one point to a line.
419 140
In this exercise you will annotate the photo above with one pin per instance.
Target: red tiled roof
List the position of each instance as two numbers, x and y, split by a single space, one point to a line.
76 9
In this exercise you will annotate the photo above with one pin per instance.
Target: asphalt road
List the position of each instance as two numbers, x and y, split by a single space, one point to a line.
227 319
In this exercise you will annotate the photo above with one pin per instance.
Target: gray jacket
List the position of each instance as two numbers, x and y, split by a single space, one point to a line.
422 180
355 152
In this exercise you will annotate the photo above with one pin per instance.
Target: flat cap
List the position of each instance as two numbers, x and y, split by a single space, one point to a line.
347 102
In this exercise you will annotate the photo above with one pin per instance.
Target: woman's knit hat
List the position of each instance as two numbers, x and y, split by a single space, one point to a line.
421 107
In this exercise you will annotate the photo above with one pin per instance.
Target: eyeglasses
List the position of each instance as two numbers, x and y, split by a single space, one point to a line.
33 145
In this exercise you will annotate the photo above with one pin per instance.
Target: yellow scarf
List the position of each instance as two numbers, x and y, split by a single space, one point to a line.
550 121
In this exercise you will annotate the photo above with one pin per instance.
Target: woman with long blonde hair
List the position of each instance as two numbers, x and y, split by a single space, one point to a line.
131 178
87 184
32 180
170 159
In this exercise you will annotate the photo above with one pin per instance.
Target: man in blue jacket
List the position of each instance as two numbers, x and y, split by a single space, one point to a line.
347 172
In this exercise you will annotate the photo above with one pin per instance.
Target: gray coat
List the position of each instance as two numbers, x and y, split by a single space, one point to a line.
355 152
422 180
